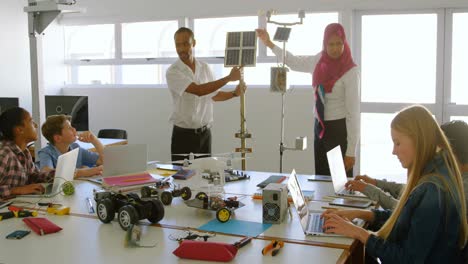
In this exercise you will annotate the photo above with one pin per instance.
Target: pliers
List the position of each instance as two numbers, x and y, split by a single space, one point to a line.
275 246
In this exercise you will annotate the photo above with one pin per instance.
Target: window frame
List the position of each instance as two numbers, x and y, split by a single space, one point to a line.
119 61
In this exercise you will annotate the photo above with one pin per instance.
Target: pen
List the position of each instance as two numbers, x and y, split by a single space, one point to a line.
242 242
90 205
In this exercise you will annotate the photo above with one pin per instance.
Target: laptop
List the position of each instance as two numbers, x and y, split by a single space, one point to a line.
121 160
65 171
125 159
311 221
338 174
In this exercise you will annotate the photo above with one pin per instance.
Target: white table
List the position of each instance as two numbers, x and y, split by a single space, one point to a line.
178 215
85 240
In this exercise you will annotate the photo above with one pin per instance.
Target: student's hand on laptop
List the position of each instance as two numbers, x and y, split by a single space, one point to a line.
348 214
366 178
88 172
35 188
96 170
356 185
336 224
87 137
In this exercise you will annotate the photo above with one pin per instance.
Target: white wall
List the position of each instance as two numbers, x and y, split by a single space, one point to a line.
141 10
144 113
15 72
53 49
15 77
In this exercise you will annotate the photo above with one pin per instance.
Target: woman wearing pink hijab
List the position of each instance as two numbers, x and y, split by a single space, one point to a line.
335 79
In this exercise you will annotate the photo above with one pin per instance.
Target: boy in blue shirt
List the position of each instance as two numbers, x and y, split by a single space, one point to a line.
62 136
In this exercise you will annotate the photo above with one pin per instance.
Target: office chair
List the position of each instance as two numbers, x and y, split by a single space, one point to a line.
112 133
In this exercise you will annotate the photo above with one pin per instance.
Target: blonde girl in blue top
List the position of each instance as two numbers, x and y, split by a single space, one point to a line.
429 223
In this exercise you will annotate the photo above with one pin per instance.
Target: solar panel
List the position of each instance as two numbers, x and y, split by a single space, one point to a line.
241 49
282 34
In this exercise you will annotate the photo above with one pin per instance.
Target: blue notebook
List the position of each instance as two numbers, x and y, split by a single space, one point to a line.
271 179
183 174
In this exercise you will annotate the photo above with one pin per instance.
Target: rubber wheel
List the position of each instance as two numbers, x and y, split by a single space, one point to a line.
128 215
145 192
186 193
166 198
157 211
105 210
223 214
133 196
201 195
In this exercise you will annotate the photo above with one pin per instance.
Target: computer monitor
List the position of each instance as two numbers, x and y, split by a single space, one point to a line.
8 102
74 106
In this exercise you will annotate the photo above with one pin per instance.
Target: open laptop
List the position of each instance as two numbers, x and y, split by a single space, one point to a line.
65 171
121 160
338 174
310 220
125 159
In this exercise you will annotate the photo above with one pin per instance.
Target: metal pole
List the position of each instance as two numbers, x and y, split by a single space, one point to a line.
282 114
37 84
242 116
282 133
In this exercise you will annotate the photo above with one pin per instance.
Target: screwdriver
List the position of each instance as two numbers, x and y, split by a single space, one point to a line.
6 215
24 213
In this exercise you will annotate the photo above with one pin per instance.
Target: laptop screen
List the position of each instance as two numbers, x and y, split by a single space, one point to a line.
337 169
298 199
125 159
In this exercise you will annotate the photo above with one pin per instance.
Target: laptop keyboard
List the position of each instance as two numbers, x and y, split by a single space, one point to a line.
347 192
315 223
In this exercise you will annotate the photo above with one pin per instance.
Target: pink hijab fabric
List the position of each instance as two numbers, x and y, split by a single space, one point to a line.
328 70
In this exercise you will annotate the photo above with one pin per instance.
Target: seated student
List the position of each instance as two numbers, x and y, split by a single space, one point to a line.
61 135
456 132
382 191
387 193
429 223
18 174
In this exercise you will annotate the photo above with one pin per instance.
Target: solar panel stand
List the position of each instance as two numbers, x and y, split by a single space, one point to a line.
283 37
243 134
240 51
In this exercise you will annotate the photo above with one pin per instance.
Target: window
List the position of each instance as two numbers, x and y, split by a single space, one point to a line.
305 39
148 39
398 56
95 74
140 52
210 33
398 62
260 74
377 159
89 42
459 59
464 118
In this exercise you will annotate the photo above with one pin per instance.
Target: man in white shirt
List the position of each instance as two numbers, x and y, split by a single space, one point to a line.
193 90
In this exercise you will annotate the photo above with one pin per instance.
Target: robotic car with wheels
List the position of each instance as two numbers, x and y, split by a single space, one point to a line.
161 190
224 207
129 208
